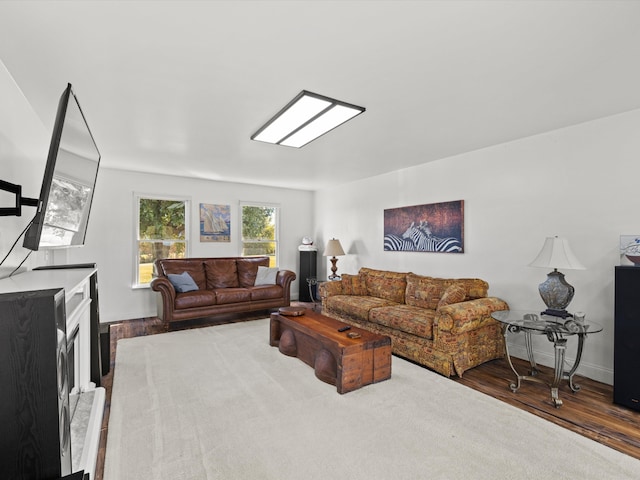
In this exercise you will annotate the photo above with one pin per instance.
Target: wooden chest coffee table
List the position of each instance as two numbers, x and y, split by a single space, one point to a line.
348 363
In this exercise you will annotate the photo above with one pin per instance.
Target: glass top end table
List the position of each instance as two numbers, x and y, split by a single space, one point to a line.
556 329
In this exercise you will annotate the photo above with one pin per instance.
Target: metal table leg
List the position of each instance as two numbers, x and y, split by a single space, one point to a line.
532 362
576 364
514 386
560 347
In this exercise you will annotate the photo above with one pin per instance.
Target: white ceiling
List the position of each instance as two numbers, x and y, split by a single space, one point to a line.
178 87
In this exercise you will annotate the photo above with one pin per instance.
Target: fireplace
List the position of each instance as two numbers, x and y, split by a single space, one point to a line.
86 399
86 403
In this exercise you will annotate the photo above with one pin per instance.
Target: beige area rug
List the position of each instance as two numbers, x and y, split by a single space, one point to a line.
220 403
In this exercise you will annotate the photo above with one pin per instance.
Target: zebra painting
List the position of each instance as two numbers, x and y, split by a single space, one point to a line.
424 241
435 227
394 243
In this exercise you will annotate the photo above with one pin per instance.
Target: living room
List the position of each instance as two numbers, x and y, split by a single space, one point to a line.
570 174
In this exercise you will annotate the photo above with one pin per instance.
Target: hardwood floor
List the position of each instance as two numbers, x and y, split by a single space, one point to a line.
590 412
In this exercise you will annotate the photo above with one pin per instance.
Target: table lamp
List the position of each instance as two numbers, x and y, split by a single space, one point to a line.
333 250
556 293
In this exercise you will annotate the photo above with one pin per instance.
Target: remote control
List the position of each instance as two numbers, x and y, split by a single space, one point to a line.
344 329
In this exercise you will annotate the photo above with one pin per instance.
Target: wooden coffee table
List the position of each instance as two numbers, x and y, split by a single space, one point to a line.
348 363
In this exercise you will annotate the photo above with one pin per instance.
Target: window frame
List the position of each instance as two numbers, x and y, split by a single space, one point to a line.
137 196
277 207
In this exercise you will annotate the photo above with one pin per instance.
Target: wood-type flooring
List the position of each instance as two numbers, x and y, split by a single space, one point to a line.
589 412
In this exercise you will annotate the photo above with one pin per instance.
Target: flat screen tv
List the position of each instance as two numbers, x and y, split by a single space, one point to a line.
69 181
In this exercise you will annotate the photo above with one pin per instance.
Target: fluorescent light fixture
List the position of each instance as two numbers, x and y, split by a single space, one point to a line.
305 118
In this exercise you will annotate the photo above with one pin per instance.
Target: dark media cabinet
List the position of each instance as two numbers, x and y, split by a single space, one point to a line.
307 284
50 368
626 356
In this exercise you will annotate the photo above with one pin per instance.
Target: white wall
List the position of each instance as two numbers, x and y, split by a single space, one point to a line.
578 182
24 144
111 231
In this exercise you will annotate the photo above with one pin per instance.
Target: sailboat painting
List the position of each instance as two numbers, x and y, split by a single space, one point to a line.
215 223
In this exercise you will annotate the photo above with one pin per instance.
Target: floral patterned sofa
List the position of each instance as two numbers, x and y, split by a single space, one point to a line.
443 324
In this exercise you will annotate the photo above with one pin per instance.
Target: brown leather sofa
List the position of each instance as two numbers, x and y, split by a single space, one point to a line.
222 285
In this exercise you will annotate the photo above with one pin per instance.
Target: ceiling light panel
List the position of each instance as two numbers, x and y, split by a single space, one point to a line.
321 125
304 119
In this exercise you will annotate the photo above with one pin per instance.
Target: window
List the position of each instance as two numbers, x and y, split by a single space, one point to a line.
260 231
161 233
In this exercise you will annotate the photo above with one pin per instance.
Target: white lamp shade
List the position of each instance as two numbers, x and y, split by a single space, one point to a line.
556 253
333 248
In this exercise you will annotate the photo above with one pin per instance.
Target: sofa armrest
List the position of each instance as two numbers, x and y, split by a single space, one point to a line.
466 316
328 289
168 297
284 279
164 286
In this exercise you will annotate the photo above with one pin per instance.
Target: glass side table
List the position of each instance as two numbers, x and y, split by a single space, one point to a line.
556 330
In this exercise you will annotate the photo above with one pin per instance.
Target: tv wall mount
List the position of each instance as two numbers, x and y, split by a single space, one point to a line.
20 200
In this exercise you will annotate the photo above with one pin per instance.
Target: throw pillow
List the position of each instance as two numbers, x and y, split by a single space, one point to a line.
385 284
266 276
353 285
424 292
455 293
182 282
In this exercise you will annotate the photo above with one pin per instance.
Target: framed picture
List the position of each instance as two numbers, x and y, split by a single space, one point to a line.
215 223
435 227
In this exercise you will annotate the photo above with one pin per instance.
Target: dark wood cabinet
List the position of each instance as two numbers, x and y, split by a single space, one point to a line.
308 266
34 405
626 368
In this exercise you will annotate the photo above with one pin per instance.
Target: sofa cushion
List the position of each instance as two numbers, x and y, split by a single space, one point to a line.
354 306
232 295
424 292
221 273
195 269
414 320
353 284
248 269
266 276
182 282
454 293
197 298
265 292
386 285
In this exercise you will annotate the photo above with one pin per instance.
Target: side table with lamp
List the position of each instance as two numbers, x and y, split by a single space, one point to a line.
556 323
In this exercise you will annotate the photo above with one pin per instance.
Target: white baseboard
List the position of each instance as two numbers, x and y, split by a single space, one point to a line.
546 358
